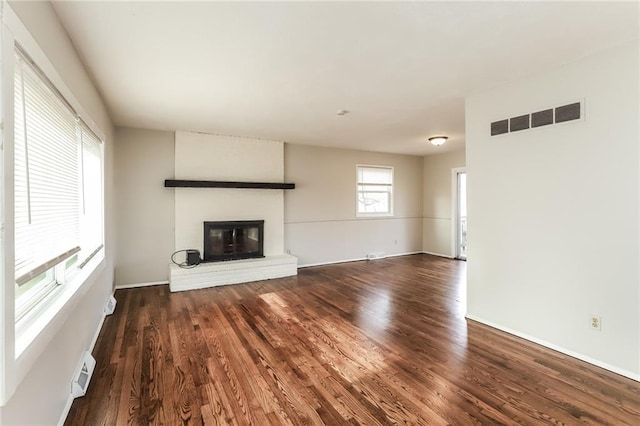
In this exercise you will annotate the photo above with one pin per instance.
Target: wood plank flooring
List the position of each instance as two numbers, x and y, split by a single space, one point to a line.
380 342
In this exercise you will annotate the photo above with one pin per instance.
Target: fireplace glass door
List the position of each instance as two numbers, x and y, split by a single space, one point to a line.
233 240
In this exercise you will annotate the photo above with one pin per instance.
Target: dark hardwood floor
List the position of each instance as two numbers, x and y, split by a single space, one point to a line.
381 342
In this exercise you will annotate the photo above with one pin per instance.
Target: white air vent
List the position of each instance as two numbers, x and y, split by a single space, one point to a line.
110 307
81 383
569 112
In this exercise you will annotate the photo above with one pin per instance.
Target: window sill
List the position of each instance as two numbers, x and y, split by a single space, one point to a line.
34 331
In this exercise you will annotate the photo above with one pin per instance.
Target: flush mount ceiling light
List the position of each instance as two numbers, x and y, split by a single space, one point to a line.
438 140
342 112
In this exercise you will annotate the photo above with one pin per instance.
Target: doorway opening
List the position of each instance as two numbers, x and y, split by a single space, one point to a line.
459 185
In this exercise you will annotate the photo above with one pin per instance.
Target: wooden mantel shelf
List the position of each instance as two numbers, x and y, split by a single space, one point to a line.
173 183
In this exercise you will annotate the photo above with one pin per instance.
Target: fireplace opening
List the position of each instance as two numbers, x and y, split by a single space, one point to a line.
232 240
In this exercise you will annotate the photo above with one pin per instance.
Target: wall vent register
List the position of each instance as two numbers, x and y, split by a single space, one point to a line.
519 123
542 118
83 375
561 114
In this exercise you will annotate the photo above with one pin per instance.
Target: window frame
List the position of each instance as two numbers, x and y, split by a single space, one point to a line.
84 142
24 342
389 191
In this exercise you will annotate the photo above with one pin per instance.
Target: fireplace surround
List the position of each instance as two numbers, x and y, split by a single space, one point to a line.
233 240
241 179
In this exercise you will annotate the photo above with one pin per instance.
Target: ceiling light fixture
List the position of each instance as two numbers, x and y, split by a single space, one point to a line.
438 140
342 112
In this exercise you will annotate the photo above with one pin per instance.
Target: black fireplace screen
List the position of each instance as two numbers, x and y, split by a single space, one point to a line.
233 240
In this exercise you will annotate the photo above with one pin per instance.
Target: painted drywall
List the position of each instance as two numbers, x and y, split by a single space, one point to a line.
320 214
200 156
437 203
144 207
48 381
553 211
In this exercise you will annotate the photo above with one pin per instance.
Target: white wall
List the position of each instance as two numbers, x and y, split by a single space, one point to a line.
553 211
42 396
200 156
144 207
437 211
320 214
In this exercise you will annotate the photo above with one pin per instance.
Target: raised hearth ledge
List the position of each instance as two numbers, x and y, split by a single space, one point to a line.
215 274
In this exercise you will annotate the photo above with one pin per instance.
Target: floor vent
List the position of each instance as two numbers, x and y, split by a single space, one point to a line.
110 307
81 383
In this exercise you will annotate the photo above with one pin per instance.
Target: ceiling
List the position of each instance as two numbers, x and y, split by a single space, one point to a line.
282 70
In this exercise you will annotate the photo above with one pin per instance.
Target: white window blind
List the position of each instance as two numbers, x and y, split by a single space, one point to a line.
375 190
57 175
47 224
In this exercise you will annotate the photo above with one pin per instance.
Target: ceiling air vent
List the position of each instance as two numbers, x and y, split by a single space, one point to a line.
561 114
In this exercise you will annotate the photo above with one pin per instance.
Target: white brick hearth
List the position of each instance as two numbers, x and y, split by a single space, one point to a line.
232 272
201 156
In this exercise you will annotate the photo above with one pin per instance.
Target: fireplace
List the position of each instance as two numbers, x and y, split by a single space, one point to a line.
242 239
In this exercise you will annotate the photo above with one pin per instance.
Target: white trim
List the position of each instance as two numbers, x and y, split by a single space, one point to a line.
7 292
94 340
435 218
585 358
359 219
409 253
65 411
29 328
15 368
359 259
454 209
137 285
333 262
438 254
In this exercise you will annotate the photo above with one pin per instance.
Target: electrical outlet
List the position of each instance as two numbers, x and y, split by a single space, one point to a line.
376 255
596 323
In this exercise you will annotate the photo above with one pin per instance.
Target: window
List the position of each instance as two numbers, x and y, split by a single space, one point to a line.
57 188
375 190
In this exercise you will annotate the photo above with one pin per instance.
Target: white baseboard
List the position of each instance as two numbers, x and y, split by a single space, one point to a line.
94 340
333 262
92 345
557 348
437 254
67 408
409 253
136 285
